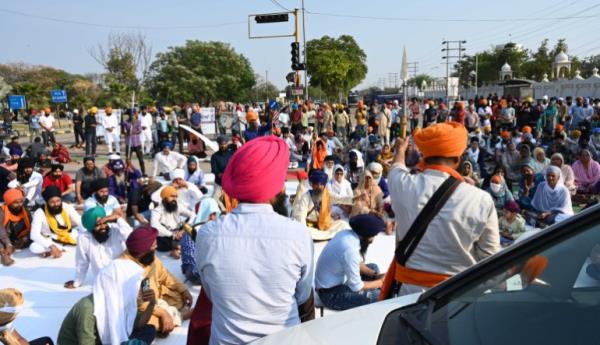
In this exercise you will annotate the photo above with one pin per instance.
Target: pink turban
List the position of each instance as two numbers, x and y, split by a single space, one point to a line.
257 171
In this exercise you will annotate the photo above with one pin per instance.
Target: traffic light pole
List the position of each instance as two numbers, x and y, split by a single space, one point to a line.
297 40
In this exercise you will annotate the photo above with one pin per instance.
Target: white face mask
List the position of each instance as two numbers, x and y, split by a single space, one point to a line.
495 187
8 328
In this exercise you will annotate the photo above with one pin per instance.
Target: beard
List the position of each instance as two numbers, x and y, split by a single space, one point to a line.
101 237
170 206
54 210
364 245
147 259
15 210
102 199
280 204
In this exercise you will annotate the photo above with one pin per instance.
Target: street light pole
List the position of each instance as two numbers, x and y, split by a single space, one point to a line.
476 72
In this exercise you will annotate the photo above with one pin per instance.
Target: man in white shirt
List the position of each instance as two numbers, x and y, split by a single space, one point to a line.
256 266
47 123
112 131
146 135
32 187
342 279
102 198
168 218
52 225
98 243
167 160
188 195
193 173
462 233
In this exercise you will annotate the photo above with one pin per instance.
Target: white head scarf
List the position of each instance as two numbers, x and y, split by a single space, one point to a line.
360 163
558 199
375 167
341 189
208 206
115 300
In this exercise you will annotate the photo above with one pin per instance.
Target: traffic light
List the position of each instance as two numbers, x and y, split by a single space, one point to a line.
271 18
290 77
295 55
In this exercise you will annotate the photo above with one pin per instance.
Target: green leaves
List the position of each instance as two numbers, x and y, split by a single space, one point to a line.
200 72
335 65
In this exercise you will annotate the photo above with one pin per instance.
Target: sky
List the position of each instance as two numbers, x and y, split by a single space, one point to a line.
60 33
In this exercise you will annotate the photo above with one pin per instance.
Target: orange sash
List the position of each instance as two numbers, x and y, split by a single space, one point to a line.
442 168
230 203
405 275
325 211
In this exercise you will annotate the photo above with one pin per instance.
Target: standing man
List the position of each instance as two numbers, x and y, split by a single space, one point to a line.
78 129
271 254
463 231
90 132
35 126
47 123
112 130
147 121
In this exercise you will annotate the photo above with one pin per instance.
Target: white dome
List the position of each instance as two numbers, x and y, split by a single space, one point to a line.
561 57
506 67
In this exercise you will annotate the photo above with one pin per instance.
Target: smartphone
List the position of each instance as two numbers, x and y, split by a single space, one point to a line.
145 285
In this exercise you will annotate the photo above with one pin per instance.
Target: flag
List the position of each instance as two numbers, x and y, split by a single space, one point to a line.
404 68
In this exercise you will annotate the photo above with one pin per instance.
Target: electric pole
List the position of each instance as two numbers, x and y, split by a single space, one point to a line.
452 46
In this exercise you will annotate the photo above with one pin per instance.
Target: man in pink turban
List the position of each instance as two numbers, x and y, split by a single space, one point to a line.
256 266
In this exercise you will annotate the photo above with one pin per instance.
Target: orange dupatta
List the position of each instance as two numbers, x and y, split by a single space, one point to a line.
318 155
324 211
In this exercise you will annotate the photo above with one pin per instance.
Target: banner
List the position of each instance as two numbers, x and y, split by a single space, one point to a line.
209 120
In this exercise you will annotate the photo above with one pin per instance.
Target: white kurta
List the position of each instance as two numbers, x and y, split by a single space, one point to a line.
112 132
42 236
168 222
167 163
90 254
304 210
464 232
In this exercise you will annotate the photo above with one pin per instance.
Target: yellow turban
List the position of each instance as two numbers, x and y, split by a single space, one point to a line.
576 133
168 191
442 140
9 298
93 110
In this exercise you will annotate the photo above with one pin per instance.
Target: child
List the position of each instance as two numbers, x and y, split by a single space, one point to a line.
511 223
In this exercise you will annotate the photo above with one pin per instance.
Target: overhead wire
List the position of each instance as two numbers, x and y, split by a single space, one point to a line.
117 26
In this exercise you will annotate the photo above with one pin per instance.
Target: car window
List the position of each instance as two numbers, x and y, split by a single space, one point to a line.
549 297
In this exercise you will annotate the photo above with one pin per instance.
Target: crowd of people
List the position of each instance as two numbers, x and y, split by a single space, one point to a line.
494 167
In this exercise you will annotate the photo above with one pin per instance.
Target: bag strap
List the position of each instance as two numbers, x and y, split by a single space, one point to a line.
414 235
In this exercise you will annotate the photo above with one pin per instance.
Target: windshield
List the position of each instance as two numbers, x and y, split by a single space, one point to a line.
550 297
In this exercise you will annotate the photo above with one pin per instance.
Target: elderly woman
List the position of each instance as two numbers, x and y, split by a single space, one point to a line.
368 197
568 176
587 173
552 200
340 188
539 161
10 301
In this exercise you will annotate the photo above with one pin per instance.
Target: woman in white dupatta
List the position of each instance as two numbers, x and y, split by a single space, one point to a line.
552 198
341 188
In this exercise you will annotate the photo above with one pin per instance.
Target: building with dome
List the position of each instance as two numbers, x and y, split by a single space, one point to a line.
506 72
561 67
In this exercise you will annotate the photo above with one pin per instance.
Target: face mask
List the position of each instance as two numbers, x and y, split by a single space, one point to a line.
495 187
147 259
8 328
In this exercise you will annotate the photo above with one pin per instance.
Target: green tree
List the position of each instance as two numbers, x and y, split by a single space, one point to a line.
200 72
489 64
419 79
263 91
335 65
588 64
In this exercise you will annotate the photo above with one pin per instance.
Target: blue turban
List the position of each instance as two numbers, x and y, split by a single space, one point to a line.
167 144
294 106
596 130
367 225
318 176
273 104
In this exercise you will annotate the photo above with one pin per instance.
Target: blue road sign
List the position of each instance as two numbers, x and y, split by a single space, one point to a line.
59 96
17 102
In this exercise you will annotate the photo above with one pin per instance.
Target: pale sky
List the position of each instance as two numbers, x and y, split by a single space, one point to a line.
59 33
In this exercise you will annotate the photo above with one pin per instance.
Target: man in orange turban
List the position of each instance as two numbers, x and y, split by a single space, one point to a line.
15 225
463 231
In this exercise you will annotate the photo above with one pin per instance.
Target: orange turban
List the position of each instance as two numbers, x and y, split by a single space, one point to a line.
483 102
47 110
256 172
168 191
108 110
442 140
559 127
460 105
251 116
503 103
505 134
526 129
11 195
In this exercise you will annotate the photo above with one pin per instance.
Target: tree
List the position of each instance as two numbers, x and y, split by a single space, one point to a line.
489 64
200 72
419 79
588 64
4 88
128 51
263 91
335 65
